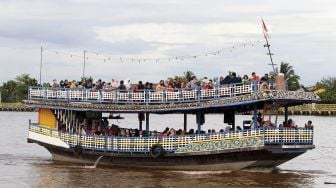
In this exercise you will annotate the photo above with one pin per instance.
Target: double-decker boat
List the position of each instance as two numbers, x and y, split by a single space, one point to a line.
66 115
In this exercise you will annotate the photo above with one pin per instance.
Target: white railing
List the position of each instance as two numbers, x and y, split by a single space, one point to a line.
142 97
288 136
173 143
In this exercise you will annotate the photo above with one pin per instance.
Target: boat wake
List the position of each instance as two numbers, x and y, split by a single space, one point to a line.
261 170
59 164
302 172
95 164
203 172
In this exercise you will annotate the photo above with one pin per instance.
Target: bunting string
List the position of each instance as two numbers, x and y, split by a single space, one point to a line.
91 55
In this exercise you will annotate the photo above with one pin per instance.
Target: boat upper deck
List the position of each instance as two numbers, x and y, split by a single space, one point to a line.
164 100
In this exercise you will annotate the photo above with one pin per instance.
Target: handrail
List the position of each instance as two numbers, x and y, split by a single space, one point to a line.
221 140
142 96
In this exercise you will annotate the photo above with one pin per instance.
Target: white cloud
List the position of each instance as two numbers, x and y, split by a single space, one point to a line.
303 33
177 33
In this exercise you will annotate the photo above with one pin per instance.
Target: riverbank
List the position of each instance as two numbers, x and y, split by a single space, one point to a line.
312 109
15 107
306 109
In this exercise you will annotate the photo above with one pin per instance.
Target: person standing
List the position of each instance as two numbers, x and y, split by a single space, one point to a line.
122 86
309 125
254 77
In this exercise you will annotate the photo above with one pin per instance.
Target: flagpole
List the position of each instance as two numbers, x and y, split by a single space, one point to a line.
268 45
269 53
84 67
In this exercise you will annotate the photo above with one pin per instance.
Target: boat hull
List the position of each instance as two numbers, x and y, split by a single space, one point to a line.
263 157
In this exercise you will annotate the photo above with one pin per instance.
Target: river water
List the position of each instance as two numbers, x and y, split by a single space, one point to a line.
30 165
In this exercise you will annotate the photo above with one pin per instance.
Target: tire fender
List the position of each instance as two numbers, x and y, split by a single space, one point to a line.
157 151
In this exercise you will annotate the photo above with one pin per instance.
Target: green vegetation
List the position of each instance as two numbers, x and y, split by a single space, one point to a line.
327 89
14 91
87 79
186 77
290 77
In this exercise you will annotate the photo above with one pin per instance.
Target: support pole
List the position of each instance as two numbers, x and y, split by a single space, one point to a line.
286 113
276 117
84 65
233 121
185 119
141 117
41 66
199 120
199 128
147 122
255 115
140 125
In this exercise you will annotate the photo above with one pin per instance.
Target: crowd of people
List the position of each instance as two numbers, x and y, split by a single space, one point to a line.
169 85
261 123
102 128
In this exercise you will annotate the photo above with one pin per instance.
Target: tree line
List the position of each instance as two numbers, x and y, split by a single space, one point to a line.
16 90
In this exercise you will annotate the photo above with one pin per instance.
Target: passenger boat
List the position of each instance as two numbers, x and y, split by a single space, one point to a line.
62 114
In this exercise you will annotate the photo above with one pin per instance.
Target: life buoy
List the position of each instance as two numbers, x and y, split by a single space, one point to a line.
78 150
156 151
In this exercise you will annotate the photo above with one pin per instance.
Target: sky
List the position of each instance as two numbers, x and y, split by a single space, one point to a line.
150 40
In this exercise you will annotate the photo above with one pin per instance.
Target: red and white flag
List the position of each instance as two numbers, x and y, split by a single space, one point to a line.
265 30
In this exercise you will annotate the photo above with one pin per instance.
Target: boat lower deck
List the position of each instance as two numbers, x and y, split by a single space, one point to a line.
231 161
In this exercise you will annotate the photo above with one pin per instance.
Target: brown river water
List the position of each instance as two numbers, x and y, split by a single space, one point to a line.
30 165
